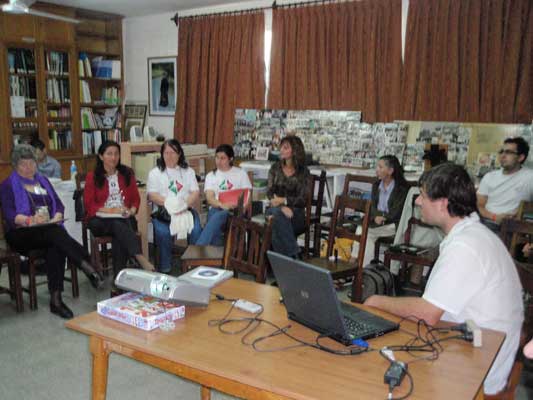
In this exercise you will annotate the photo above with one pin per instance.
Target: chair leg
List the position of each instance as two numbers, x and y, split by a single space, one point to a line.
84 237
95 256
15 284
32 284
74 280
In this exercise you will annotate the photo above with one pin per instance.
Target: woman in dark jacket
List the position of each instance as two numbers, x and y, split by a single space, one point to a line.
388 196
287 190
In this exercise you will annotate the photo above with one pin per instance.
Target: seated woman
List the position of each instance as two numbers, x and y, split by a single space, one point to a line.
388 197
111 201
288 183
33 213
172 179
225 177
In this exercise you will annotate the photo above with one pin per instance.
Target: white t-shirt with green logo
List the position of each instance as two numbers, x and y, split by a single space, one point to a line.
219 181
178 182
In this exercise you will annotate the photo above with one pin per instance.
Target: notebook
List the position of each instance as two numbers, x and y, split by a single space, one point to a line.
310 299
232 196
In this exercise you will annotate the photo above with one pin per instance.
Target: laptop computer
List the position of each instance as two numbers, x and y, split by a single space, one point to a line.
311 300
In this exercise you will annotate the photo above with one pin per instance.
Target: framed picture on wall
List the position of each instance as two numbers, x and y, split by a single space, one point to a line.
162 86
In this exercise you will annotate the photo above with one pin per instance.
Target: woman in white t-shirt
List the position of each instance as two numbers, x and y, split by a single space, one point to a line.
225 177
172 177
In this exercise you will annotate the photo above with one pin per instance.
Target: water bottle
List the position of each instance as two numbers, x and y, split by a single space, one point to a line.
73 171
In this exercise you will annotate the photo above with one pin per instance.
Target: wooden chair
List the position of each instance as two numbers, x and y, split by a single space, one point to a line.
246 247
508 393
13 269
388 240
421 256
324 227
513 233
97 246
212 256
313 219
35 257
345 226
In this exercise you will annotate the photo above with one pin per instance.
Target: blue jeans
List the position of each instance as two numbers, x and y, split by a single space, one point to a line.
285 230
214 228
164 240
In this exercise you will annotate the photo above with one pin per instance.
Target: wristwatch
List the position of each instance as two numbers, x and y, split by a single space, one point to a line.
284 201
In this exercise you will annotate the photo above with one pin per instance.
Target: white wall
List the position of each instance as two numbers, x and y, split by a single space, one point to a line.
144 37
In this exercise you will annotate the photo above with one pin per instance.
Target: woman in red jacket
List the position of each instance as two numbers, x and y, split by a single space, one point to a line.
111 201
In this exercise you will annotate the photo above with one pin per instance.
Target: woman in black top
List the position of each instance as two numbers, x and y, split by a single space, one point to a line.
287 190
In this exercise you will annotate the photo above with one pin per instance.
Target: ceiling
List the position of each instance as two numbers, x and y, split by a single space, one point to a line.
137 8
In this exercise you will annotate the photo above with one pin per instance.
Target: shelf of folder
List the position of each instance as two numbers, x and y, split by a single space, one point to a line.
93 79
26 119
93 105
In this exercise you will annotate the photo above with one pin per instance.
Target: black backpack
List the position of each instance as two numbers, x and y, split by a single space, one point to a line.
377 279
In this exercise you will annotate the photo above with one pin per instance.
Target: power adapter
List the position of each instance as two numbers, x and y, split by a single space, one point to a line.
472 327
395 374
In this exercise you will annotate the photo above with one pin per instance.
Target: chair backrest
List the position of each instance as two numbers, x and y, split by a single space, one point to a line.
344 223
413 222
315 201
246 246
525 211
515 234
80 178
349 178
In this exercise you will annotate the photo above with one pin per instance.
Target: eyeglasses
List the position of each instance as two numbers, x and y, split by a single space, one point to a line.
507 152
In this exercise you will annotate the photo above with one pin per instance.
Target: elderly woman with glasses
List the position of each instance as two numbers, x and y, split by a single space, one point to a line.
33 214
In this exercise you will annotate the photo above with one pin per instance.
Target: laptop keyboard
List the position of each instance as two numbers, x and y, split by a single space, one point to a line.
358 329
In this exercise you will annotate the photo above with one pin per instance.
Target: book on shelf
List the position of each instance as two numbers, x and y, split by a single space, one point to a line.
84 65
21 61
17 107
56 63
85 92
106 69
141 311
57 90
91 140
59 138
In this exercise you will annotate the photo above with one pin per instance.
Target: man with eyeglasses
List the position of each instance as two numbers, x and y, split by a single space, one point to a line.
500 192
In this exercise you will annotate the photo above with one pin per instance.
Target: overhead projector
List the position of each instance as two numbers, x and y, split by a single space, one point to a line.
163 287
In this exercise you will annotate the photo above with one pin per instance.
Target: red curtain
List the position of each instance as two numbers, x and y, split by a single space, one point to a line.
341 56
469 60
221 67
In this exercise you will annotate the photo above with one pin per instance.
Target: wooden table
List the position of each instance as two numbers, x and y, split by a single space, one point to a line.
215 360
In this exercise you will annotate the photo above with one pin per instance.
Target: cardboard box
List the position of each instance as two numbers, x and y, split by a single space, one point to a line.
141 311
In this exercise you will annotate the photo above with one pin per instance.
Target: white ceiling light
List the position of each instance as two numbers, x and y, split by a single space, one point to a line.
23 7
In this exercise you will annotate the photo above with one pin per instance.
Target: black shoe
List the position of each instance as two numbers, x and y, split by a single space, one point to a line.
61 310
95 279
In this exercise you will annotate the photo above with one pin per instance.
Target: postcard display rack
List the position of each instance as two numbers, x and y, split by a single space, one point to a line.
333 137
340 138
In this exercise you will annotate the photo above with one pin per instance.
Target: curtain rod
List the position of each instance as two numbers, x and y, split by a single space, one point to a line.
274 6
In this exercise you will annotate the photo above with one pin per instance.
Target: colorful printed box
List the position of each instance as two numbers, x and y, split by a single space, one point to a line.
142 311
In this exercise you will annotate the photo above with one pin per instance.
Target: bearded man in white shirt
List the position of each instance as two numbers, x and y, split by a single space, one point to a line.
474 276
501 191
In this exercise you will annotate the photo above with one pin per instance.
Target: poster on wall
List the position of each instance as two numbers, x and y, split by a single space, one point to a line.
162 86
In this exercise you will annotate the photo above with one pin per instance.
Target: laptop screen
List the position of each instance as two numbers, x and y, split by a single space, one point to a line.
309 295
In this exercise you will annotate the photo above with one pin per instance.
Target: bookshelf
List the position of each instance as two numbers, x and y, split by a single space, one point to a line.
100 72
41 86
